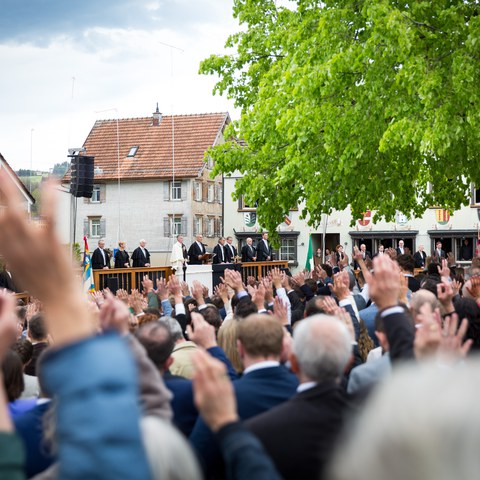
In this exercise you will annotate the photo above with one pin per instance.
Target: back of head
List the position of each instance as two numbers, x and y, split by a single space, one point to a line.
468 308
432 269
430 283
37 328
212 316
227 341
174 328
24 349
406 262
158 342
420 297
168 453
314 306
12 370
423 423
261 336
245 307
328 269
322 346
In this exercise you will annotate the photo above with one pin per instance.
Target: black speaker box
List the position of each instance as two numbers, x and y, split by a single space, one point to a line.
81 183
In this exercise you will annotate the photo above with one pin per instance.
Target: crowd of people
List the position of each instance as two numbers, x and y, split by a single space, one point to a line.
305 376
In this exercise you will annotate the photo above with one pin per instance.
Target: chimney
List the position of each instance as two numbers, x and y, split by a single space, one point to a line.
157 117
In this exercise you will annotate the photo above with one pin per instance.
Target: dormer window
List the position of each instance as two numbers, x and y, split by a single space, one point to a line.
132 152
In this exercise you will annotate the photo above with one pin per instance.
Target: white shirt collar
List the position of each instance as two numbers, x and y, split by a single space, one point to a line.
306 386
260 365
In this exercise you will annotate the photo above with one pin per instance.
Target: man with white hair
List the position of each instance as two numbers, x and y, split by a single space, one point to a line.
141 256
300 434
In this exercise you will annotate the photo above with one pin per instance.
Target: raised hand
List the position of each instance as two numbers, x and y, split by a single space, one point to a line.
202 333
162 289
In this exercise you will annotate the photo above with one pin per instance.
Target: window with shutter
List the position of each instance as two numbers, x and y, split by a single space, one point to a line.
204 192
184 226
166 192
183 189
86 227
103 193
211 193
103 227
166 226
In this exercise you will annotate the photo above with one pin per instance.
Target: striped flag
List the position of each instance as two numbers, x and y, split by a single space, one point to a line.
88 285
309 263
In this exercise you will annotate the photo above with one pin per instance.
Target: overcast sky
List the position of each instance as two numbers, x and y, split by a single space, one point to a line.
67 63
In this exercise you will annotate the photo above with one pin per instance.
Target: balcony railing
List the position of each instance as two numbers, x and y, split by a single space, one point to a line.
128 278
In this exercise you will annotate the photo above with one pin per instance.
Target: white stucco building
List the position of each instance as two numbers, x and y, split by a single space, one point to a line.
435 225
151 182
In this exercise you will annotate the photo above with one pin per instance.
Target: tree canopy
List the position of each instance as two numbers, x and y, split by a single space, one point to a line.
369 103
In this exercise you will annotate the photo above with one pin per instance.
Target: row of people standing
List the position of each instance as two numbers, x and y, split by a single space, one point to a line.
101 258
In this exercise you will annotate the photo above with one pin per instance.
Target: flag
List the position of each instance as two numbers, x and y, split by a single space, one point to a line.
88 285
309 263
287 220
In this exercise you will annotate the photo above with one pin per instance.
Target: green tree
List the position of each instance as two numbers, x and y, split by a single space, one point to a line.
369 103
59 169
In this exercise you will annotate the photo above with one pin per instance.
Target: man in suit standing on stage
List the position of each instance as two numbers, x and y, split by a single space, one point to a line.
220 255
100 258
6 280
264 251
230 250
401 248
420 257
141 256
197 251
248 251
439 254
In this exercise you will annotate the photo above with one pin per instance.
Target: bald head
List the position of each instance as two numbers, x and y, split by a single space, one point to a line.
419 298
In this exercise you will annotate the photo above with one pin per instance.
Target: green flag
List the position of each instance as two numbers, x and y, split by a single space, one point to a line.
309 263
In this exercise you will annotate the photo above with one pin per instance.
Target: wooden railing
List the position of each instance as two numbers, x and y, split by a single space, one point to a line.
128 278
260 269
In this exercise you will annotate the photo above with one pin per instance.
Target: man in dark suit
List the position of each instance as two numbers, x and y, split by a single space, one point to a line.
38 335
141 256
420 257
220 254
300 434
248 251
401 248
100 258
230 250
365 254
264 384
264 250
6 280
197 251
438 253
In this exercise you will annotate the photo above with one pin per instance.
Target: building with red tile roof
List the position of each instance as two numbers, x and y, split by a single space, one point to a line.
151 181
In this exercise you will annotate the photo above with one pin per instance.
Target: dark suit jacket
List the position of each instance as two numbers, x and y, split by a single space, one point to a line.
420 259
193 252
7 282
139 259
218 254
97 259
121 258
356 266
399 251
38 348
263 252
300 434
248 253
256 392
296 306
185 413
228 252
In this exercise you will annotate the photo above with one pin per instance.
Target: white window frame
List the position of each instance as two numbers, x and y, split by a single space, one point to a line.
287 250
211 193
210 227
96 194
198 225
210 162
176 226
176 190
198 191
95 227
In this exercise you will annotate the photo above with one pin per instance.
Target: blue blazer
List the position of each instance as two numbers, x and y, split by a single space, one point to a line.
256 392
